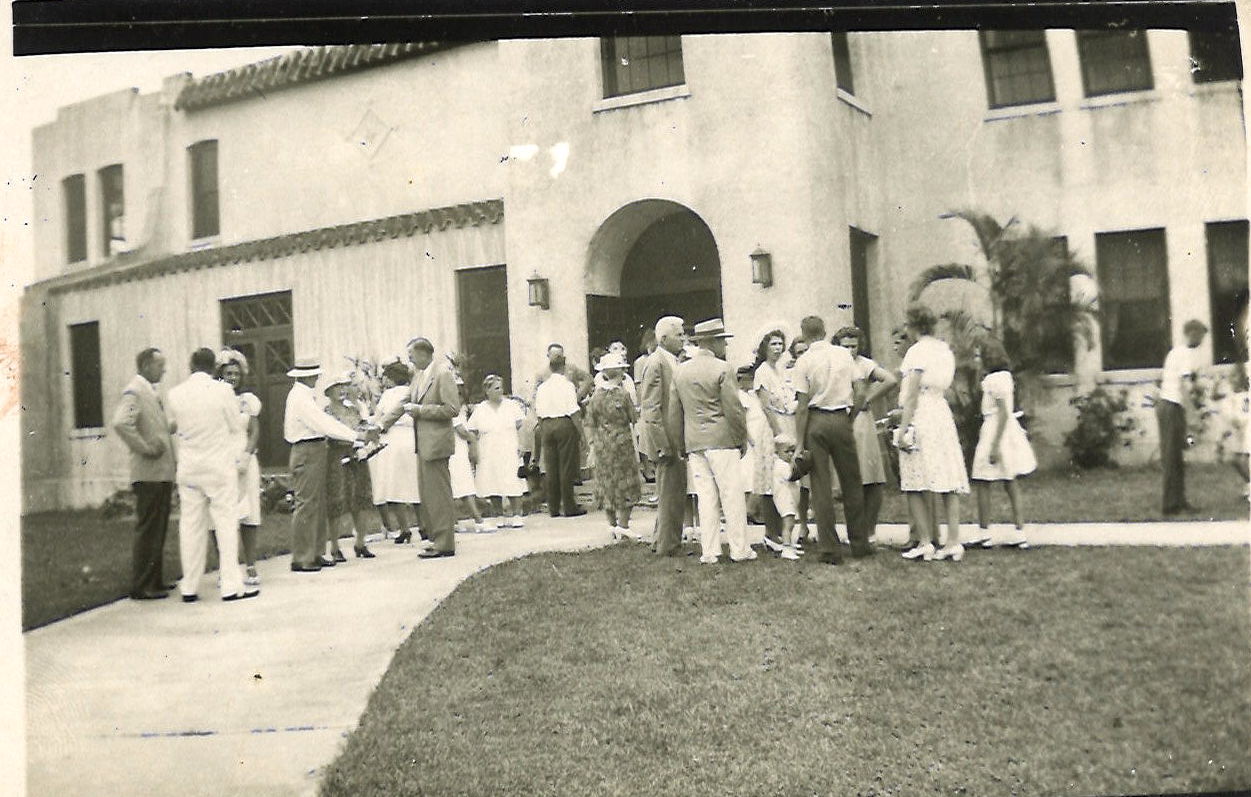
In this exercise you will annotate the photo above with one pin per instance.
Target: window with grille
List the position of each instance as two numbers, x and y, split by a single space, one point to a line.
205 218
1215 55
1114 61
638 63
112 210
1227 285
85 375
1132 269
74 189
843 76
1017 66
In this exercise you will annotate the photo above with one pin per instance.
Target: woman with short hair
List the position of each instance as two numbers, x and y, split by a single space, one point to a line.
393 470
232 368
349 489
495 422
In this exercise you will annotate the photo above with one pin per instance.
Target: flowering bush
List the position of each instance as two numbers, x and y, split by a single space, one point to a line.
1103 422
277 494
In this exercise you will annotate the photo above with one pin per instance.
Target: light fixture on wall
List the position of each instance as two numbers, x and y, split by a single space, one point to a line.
762 268
540 294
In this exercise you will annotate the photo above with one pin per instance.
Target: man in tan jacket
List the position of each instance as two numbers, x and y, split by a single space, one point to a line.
141 423
655 384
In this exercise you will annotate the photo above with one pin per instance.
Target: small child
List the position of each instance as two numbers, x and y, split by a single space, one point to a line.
1003 451
786 493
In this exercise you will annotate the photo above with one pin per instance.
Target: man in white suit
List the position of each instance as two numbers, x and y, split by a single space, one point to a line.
205 417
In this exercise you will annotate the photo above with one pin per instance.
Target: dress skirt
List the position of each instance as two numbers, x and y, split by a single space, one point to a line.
1016 457
868 449
937 463
462 471
250 494
348 486
393 470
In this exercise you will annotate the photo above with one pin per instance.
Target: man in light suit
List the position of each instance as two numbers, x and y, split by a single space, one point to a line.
433 402
705 414
205 417
658 445
140 422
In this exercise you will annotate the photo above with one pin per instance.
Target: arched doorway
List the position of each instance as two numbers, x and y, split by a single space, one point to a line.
649 259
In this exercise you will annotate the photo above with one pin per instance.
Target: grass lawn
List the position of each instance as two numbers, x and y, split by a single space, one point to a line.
1054 671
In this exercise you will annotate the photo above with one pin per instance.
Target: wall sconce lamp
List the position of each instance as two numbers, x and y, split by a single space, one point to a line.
540 293
762 268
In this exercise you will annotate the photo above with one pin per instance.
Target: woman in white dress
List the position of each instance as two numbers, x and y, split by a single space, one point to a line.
772 385
393 470
872 381
930 460
1003 451
496 422
232 367
461 465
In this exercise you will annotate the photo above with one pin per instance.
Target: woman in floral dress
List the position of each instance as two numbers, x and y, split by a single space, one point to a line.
610 416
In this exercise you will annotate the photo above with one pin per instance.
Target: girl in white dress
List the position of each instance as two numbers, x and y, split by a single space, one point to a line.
930 460
872 381
496 422
393 470
461 465
232 367
1003 451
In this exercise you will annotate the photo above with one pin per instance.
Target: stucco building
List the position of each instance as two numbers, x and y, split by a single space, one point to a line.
497 196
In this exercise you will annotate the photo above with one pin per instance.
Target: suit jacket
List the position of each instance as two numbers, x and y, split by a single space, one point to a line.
704 408
434 391
141 423
655 382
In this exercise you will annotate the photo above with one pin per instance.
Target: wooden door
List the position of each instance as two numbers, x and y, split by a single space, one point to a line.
482 299
261 328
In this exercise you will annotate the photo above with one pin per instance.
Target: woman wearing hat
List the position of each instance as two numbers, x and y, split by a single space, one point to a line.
394 470
349 490
232 368
610 417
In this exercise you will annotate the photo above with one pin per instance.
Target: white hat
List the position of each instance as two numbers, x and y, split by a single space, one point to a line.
304 367
341 379
611 360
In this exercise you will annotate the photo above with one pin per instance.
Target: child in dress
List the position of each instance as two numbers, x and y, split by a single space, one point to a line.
461 465
1003 452
786 493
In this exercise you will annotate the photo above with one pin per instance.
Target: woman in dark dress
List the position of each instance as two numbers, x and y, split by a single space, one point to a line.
349 490
610 417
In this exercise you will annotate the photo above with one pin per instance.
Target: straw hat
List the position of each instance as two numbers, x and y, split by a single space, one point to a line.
611 360
305 367
341 379
712 328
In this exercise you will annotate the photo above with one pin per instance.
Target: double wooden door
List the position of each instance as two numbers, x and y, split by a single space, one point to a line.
261 328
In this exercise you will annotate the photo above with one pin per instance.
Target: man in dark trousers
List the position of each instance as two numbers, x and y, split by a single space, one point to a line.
1177 381
141 423
823 382
560 421
655 436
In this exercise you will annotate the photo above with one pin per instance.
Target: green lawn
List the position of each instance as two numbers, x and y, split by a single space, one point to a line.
1054 671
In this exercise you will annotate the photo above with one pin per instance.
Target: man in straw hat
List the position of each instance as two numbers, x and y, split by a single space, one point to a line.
661 447
306 427
434 401
705 414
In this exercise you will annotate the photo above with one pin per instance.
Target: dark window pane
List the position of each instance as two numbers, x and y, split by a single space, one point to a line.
1215 56
1017 66
74 188
112 210
1114 61
1227 286
843 76
1132 271
632 64
85 375
205 219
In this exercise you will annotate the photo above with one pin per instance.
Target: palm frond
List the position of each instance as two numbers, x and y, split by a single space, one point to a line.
934 274
990 233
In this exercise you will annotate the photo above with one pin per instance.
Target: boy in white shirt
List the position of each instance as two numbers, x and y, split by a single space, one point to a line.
1176 385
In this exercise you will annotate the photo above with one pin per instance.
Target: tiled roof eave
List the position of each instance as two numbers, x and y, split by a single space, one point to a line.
470 214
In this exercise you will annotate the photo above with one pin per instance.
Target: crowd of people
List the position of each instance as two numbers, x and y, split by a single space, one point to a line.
790 434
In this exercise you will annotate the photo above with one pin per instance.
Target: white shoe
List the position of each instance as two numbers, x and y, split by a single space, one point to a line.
251 580
518 522
774 545
709 560
750 556
982 540
925 552
953 552
788 552
1017 541
689 535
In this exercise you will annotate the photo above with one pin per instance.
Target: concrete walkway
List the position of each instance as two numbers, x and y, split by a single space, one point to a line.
252 698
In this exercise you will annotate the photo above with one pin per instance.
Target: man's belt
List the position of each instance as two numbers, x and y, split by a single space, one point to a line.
824 409
309 440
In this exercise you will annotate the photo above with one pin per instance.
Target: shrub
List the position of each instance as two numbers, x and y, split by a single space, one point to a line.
1103 423
118 505
277 494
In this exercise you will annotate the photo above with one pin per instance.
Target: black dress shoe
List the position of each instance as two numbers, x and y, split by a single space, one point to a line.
148 595
578 512
339 557
362 552
324 562
432 554
403 537
305 568
238 596
190 598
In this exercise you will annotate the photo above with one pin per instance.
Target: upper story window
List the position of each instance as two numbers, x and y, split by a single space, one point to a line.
1017 66
85 375
638 63
1227 285
1132 270
1114 61
74 189
843 76
112 210
205 214
1215 56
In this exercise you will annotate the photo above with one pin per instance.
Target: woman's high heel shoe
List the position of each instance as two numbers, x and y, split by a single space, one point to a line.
338 555
953 552
403 537
362 552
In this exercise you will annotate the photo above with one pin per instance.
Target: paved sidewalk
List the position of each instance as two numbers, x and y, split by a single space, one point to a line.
252 698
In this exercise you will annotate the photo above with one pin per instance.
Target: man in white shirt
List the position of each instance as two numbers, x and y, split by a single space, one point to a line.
1176 386
560 419
305 427
205 418
824 375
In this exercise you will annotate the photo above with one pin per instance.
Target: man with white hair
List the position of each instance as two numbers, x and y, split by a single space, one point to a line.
656 438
